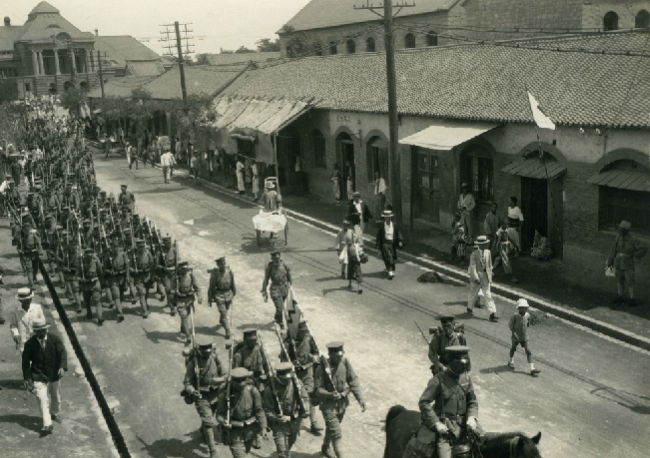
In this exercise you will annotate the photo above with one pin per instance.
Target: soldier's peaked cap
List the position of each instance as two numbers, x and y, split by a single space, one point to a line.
139 242
204 342
166 239
250 332
335 347
446 319
123 186
222 258
183 265
273 253
89 250
457 350
283 368
302 326
240 373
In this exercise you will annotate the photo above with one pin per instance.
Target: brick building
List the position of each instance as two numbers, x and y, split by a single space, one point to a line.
465 117
335 27
48 54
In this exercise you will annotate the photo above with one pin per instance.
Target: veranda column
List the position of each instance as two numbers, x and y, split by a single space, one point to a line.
35 63
56 62
74 64
40 62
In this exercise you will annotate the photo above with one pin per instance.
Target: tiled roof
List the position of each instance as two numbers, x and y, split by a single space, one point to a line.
474 82
198 80
240 58
8 36
43 24
319 14
146 68
43 7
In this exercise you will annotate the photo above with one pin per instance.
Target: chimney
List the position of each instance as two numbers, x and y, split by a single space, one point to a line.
7 21
96 32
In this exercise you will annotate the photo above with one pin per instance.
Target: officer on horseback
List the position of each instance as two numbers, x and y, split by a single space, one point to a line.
448 409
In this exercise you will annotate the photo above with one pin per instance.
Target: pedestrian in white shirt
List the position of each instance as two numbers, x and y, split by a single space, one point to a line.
515 221
380 194
255 182
167 161
466 205
23 317
239 172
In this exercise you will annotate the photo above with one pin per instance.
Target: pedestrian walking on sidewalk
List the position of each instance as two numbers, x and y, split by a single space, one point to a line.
359 214
621 258
335 178
167 162
480 277
44 361
341 246
519 323
239 172
466 205
23 317
515 221
389 239
503 248
255 182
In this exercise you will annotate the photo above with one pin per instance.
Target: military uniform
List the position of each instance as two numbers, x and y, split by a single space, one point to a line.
127 199
202 385
141 273
284 421
185 288
117 276
251 359
167 260
335 399
280 276
30 250
246 414
222 290
303 353
440 341
91 280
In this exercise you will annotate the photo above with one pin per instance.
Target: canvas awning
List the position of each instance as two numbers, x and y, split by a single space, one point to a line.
444 134
622 179
535 168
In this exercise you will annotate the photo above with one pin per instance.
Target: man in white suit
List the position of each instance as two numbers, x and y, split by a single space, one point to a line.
480 277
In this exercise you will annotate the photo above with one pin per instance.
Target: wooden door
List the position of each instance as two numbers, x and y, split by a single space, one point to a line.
429 186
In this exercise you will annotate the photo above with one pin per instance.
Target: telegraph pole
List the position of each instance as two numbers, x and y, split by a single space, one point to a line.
180 61
391 83
101 73
179 49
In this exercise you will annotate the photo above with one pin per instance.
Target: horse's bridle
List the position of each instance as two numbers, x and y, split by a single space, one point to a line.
513 447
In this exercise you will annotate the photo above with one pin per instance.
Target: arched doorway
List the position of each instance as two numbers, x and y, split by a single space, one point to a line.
345 152
290 161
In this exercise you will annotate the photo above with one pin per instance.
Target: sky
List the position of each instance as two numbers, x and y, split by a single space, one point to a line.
216 24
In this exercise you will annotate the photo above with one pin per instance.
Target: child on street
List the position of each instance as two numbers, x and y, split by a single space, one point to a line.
518 325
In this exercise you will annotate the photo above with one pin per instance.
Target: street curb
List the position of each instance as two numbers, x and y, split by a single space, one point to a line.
118 439
513 294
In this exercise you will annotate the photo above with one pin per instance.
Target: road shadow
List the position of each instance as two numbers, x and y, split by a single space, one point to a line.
623 399
455 303
335 277
342 288
29 422
164 448
12 384
157 336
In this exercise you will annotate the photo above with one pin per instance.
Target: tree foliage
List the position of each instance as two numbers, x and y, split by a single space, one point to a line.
73 99
8 90
266 45
202 59
298 43
243 50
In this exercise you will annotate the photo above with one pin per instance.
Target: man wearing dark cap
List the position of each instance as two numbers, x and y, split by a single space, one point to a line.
303 353
242 414
284 420
442 338
621 258
44 360
167 260
250 356
460 409
358 214
126 198
117 275
222 290
202 386
141 272
92 277
280 276
333 386
184 288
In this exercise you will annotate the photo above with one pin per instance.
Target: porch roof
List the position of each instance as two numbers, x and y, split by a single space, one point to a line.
622 179
445 134
535 168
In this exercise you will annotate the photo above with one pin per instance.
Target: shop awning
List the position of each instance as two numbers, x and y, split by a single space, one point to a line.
444 135
266 117
535 168
622 179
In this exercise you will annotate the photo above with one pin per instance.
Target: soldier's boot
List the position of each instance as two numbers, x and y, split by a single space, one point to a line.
89 310
143 304
337 445
62 281
325 449
98 309
256 442
77 300
120 313
208 436
109 296
315 427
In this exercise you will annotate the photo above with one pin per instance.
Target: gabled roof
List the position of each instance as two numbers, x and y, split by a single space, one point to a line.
485 82
44 22
121 49
8 36
120 87
240 58
318 14
146 68
44 8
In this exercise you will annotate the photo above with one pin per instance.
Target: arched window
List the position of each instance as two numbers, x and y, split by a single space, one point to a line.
432 38
351 46
370 45
317 49
377 158
642 20
610 21
409 40
333 49
318 147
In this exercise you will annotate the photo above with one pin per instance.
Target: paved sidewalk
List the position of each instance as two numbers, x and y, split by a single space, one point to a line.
83 432
586 300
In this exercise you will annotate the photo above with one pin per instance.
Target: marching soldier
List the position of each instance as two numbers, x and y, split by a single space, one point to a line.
70 261
280 276
222 290
304 354
333 381
203 378
92 278
117 275
240 413
30 251
167 259
185 290
449 406
448 336
141 273
126 199
284 419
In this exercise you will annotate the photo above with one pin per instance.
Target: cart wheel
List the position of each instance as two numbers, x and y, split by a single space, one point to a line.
259 237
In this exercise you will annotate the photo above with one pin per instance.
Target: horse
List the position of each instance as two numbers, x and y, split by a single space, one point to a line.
402 423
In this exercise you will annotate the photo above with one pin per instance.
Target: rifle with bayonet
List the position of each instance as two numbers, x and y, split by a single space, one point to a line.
270 373
323 360
302 408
